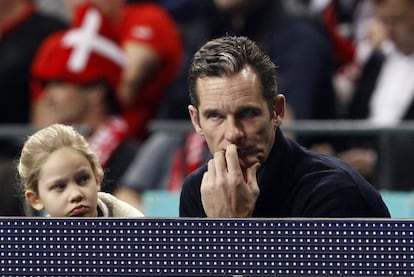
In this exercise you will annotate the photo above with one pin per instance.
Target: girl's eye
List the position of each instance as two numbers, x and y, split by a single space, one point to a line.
58 187
82 180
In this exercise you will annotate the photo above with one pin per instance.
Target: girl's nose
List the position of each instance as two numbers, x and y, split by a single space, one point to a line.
75 194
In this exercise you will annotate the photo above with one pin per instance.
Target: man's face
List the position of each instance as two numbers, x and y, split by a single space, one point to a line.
232 110
67 103
398 19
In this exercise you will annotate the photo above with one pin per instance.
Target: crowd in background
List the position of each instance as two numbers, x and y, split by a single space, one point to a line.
336 59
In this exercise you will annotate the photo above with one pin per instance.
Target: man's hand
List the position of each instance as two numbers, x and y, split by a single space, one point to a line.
225 192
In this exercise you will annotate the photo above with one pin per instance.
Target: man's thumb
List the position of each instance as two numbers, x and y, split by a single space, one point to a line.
251 172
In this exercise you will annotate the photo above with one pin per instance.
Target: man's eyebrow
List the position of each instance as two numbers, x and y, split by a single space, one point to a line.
208 111
238 110
247 107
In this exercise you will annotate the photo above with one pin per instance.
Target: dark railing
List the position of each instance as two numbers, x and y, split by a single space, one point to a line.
306 127
303 127
329 128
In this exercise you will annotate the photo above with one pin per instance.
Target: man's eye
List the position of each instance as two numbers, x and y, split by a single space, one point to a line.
213 116
248 113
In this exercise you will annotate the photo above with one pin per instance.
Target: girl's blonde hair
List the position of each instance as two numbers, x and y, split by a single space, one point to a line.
44 142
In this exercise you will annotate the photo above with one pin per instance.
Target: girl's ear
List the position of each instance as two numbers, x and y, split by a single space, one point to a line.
98 181
34 200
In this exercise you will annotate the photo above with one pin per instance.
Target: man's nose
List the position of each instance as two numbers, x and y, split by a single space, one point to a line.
233 130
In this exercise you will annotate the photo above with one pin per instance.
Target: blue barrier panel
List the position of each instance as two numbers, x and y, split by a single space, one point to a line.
161 203
400 203
197 247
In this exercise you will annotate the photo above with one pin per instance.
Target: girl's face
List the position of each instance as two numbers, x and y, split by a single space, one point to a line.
67 186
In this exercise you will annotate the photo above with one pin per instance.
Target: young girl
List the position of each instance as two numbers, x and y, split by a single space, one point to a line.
62 176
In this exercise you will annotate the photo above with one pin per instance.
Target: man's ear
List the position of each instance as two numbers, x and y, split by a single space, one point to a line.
195 120
279 109
34 200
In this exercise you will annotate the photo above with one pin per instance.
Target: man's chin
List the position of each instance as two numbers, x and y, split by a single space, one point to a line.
245 164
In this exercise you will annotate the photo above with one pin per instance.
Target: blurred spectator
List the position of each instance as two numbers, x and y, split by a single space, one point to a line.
349 26
75 74
337 16
152 43
22 29
11 202
162 163
53 7
298 45
385 96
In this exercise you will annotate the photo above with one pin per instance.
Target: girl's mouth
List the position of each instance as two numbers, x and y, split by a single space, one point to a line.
78 211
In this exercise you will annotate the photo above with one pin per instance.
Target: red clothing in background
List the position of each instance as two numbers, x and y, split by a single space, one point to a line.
150 24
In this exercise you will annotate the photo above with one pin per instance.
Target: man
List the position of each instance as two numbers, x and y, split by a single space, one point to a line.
384 95
22 29
150 39
75 75
255 171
